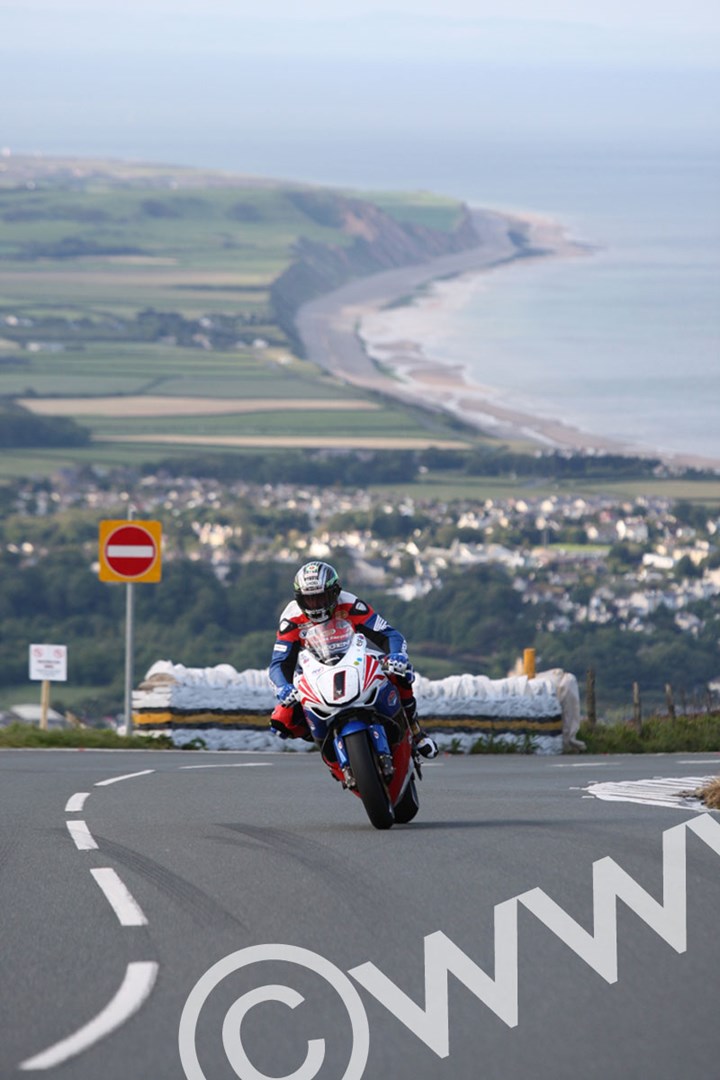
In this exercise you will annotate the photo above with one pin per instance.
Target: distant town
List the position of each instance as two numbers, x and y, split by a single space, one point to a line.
648 570
546 544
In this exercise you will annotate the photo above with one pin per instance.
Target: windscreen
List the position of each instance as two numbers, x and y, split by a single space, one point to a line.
330 640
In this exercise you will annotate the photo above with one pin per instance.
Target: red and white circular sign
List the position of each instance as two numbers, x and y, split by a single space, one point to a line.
130 551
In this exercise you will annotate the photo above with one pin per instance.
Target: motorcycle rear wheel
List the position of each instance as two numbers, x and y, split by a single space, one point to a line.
370 784
408 805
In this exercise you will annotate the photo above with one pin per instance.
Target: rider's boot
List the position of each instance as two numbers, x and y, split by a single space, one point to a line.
424 745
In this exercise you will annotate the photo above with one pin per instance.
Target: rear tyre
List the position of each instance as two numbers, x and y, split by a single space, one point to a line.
408 806
370 784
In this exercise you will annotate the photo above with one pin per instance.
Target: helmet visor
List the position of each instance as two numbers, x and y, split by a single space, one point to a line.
317 601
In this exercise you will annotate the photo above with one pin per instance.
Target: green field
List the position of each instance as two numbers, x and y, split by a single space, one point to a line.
133 368
130 280
43 462
419 208
454 485
114 279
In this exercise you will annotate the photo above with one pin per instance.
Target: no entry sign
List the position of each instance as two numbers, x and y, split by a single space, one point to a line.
130 551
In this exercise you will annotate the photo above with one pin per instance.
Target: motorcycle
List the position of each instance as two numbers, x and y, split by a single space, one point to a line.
357 721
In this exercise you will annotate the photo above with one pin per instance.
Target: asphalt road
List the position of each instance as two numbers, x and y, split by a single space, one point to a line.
211 855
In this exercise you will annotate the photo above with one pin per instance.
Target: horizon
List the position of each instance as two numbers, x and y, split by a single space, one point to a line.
189 79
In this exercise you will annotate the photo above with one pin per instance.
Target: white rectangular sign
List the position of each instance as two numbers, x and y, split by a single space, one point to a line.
48 662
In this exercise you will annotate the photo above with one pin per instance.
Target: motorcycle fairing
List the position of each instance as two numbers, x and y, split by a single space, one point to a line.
377 733
387 702
337 690
356 678
339 686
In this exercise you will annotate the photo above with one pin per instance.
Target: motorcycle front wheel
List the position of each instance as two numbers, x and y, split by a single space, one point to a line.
408 806
370 784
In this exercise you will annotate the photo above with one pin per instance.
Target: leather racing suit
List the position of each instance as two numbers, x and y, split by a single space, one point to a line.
289 720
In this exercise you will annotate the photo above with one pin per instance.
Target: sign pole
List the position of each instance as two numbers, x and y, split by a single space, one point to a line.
130 552
129 613
44 703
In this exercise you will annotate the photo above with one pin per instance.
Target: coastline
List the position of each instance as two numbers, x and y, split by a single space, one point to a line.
369 333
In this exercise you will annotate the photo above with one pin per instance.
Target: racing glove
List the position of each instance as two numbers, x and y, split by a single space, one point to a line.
398 663
287 694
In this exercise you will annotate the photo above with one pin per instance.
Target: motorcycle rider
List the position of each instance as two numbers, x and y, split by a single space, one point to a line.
318 597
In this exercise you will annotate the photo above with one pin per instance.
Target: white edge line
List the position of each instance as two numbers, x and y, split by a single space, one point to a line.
119 897
230 765
76 802
127 776
81 835
120 750
671 804
582 764
134 990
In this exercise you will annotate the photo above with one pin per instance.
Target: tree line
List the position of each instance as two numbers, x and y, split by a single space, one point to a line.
329 468
475 623
21 428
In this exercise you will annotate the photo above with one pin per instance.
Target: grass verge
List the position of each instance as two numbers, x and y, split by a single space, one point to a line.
710 794
491 744
27 735
658 735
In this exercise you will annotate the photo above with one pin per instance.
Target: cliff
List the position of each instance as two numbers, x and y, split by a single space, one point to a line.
376 241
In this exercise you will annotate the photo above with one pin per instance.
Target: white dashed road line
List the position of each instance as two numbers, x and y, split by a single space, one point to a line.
230 765
81 835
76 802
134 990
140 976
127 776
119 897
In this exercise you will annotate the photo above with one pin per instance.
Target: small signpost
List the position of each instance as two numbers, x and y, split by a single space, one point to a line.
131 552
48 663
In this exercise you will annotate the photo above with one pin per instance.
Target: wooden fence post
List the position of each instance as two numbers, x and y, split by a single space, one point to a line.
670 700
590 697
637 707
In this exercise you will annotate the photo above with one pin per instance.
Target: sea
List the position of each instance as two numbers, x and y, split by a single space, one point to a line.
624 343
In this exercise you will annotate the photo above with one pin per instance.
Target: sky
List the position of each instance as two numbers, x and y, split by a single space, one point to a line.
176 79
703 14
636 30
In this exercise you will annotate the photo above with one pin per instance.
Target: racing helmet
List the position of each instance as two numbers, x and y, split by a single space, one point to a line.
317 588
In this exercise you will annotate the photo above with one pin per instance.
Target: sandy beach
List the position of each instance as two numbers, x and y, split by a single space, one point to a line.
376 332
